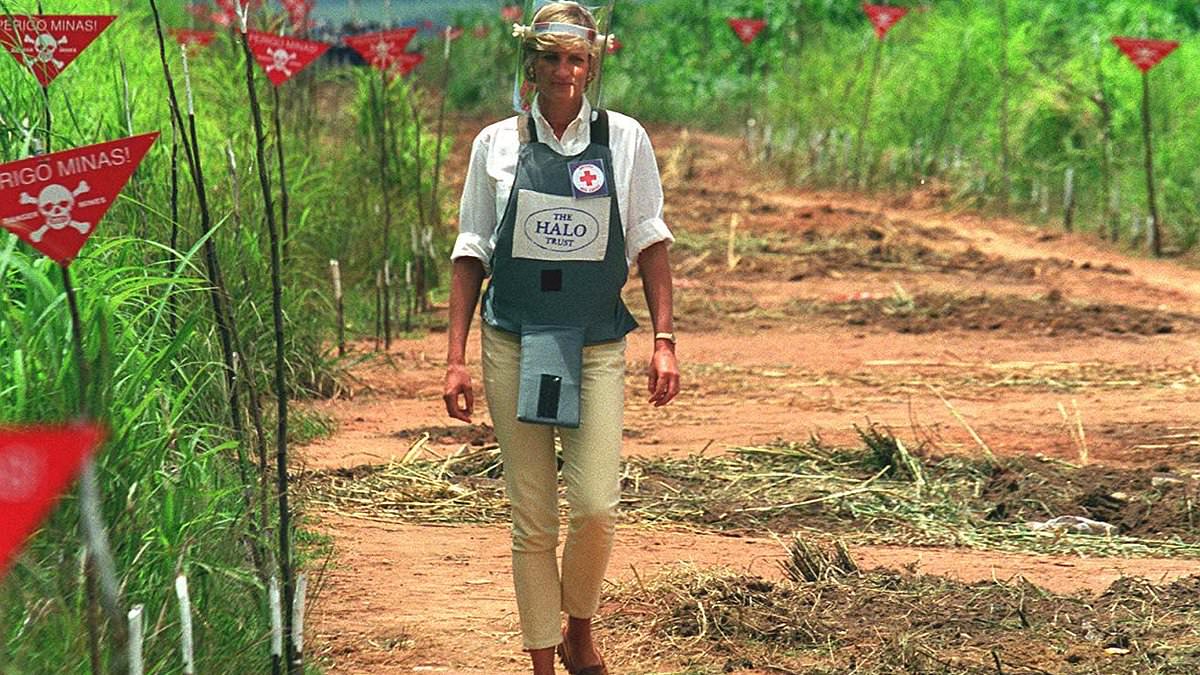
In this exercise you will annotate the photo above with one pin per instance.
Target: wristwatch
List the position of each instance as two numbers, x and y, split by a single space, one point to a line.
669 337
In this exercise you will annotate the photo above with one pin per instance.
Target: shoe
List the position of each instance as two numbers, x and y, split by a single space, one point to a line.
599 669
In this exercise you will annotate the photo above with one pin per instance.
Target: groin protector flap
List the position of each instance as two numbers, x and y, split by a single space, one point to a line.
551 372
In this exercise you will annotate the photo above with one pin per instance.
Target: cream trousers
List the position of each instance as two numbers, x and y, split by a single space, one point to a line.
591 471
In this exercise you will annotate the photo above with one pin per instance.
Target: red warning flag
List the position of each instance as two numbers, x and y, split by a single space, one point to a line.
383 49
614 45
54 202
1145 54
883 17
48 43
455 32
36 466
192 39
747 29
282 57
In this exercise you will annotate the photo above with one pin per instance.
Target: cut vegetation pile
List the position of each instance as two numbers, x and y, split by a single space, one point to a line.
884 622
880 493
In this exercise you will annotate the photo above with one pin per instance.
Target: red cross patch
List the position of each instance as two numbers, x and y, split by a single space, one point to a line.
588 178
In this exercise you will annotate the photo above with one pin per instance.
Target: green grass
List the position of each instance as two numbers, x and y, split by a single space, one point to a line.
169 475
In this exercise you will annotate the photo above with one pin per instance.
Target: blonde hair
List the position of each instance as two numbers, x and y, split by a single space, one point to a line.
561 12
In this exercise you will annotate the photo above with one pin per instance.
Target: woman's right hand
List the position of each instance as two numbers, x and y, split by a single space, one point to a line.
459 394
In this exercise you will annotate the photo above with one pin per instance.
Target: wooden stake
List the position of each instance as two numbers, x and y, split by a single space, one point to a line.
298 617
276 626
335 271
1069 199
186 645
731 257
136 637
378 308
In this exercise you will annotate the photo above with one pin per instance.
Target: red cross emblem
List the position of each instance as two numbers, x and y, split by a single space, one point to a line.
588 178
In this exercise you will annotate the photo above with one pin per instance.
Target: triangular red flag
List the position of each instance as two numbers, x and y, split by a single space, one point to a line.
883 17
1145 54
36 466
54 202
283 57
455 32
382 50
192 39
747 29
48 43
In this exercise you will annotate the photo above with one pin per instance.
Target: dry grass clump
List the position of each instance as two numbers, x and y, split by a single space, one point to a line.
807 561
881 622
462 488
883 492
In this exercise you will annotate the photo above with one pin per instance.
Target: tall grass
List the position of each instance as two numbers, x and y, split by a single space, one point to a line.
936 108
173 494
937 104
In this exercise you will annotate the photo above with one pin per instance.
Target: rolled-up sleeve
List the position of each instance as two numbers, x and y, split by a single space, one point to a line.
477 210
645 225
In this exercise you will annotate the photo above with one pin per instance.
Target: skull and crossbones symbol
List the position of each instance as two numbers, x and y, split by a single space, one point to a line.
281 58
44 48
55 203
383 52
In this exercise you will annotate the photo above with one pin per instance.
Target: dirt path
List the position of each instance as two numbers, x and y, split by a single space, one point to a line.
838 310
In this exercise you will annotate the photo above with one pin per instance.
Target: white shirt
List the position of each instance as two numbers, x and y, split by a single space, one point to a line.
493 169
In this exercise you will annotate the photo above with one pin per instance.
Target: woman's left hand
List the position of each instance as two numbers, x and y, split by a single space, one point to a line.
663 373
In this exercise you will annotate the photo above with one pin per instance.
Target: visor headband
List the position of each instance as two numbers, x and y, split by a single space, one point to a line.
549 27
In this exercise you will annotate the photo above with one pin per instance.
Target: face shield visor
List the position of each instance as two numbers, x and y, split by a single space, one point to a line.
527 32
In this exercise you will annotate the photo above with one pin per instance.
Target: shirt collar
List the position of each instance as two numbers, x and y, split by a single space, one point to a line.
577 136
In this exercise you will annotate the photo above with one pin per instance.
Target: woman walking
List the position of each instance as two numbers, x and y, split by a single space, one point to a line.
557 204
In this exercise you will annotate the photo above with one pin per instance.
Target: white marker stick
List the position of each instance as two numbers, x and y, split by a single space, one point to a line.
276 619
185 625
187 81
298 613
137 632
335 270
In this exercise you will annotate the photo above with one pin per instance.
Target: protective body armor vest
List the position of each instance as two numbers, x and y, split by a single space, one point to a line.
559 258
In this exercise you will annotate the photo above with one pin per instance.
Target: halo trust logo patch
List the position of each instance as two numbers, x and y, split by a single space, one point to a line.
588 179
561 230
